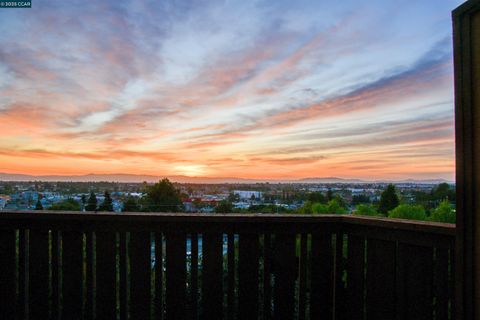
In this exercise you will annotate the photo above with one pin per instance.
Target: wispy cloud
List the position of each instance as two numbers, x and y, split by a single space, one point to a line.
251 88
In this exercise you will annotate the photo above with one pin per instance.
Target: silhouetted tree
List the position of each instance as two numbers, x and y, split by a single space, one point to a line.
224 207
388 200
38 206
443 191
162 197
329 195
107 203
66 205
92 202
361 198
84 201
317 197
130 205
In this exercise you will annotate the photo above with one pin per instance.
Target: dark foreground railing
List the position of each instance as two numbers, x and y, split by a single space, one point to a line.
189 266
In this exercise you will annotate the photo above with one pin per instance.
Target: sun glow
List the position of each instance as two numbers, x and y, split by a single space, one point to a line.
191 170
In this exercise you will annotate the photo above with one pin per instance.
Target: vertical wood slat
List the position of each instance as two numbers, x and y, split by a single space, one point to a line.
55 313
90 275
339 288
7 273
159 276
194 276
321 277
175 276
355 278
415 268
453 283
267 277
140 267
380 281
21 307
303 278
212 276
38 274
248 267
231 276
72 270
106 297
285 271
123 268
441 283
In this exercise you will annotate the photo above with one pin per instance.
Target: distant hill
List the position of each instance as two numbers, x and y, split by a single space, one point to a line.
331 180
185 179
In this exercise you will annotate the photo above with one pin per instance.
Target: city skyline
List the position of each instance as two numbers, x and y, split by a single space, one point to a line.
257 89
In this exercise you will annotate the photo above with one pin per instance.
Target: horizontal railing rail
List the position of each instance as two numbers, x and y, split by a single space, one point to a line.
79 265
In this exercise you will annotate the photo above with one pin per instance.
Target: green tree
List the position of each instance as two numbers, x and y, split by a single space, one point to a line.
130 205
388 200
408 211
162 197
444 213
366 210
38 206
91 202
107 203
66 205
224 207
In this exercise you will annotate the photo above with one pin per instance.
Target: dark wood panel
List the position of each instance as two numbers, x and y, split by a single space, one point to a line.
159 276
175 276
106 275
380 281
354 297
415 282
248 264
321 306
7 274
38 274
441 284
285 271
140 268
212 276
72 270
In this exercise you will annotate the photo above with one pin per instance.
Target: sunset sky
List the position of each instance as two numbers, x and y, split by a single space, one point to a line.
249 89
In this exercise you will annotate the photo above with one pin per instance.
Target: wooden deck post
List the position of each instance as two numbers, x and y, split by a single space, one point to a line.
466 27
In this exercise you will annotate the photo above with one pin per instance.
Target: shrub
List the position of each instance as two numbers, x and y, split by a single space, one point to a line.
366 210
332 207
407 211
444 213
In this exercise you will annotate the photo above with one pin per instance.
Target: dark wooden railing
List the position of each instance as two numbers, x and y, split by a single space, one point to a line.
62 265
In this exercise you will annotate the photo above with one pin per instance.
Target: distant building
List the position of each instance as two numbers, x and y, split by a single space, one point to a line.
248 194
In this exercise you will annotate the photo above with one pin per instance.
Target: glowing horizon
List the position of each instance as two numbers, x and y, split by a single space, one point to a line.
257 89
